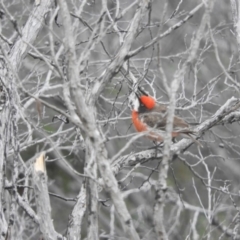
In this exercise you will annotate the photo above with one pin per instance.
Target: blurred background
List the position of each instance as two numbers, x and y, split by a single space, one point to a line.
193 210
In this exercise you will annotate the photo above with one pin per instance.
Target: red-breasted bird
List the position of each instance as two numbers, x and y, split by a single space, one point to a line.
151 117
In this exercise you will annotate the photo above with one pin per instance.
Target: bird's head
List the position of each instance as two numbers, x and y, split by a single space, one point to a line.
139 101
147 101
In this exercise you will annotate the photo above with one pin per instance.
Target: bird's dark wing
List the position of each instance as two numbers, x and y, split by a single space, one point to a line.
157 118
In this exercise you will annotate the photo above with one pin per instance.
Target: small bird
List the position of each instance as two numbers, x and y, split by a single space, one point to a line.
151 117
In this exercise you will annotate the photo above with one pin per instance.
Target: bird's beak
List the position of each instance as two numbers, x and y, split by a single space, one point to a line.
138 95
140 91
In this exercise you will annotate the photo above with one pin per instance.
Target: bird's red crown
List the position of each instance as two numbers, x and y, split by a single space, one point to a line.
148 102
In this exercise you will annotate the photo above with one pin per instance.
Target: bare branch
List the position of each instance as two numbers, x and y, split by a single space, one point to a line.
76 217
42 199
120 57
166 33
85 113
